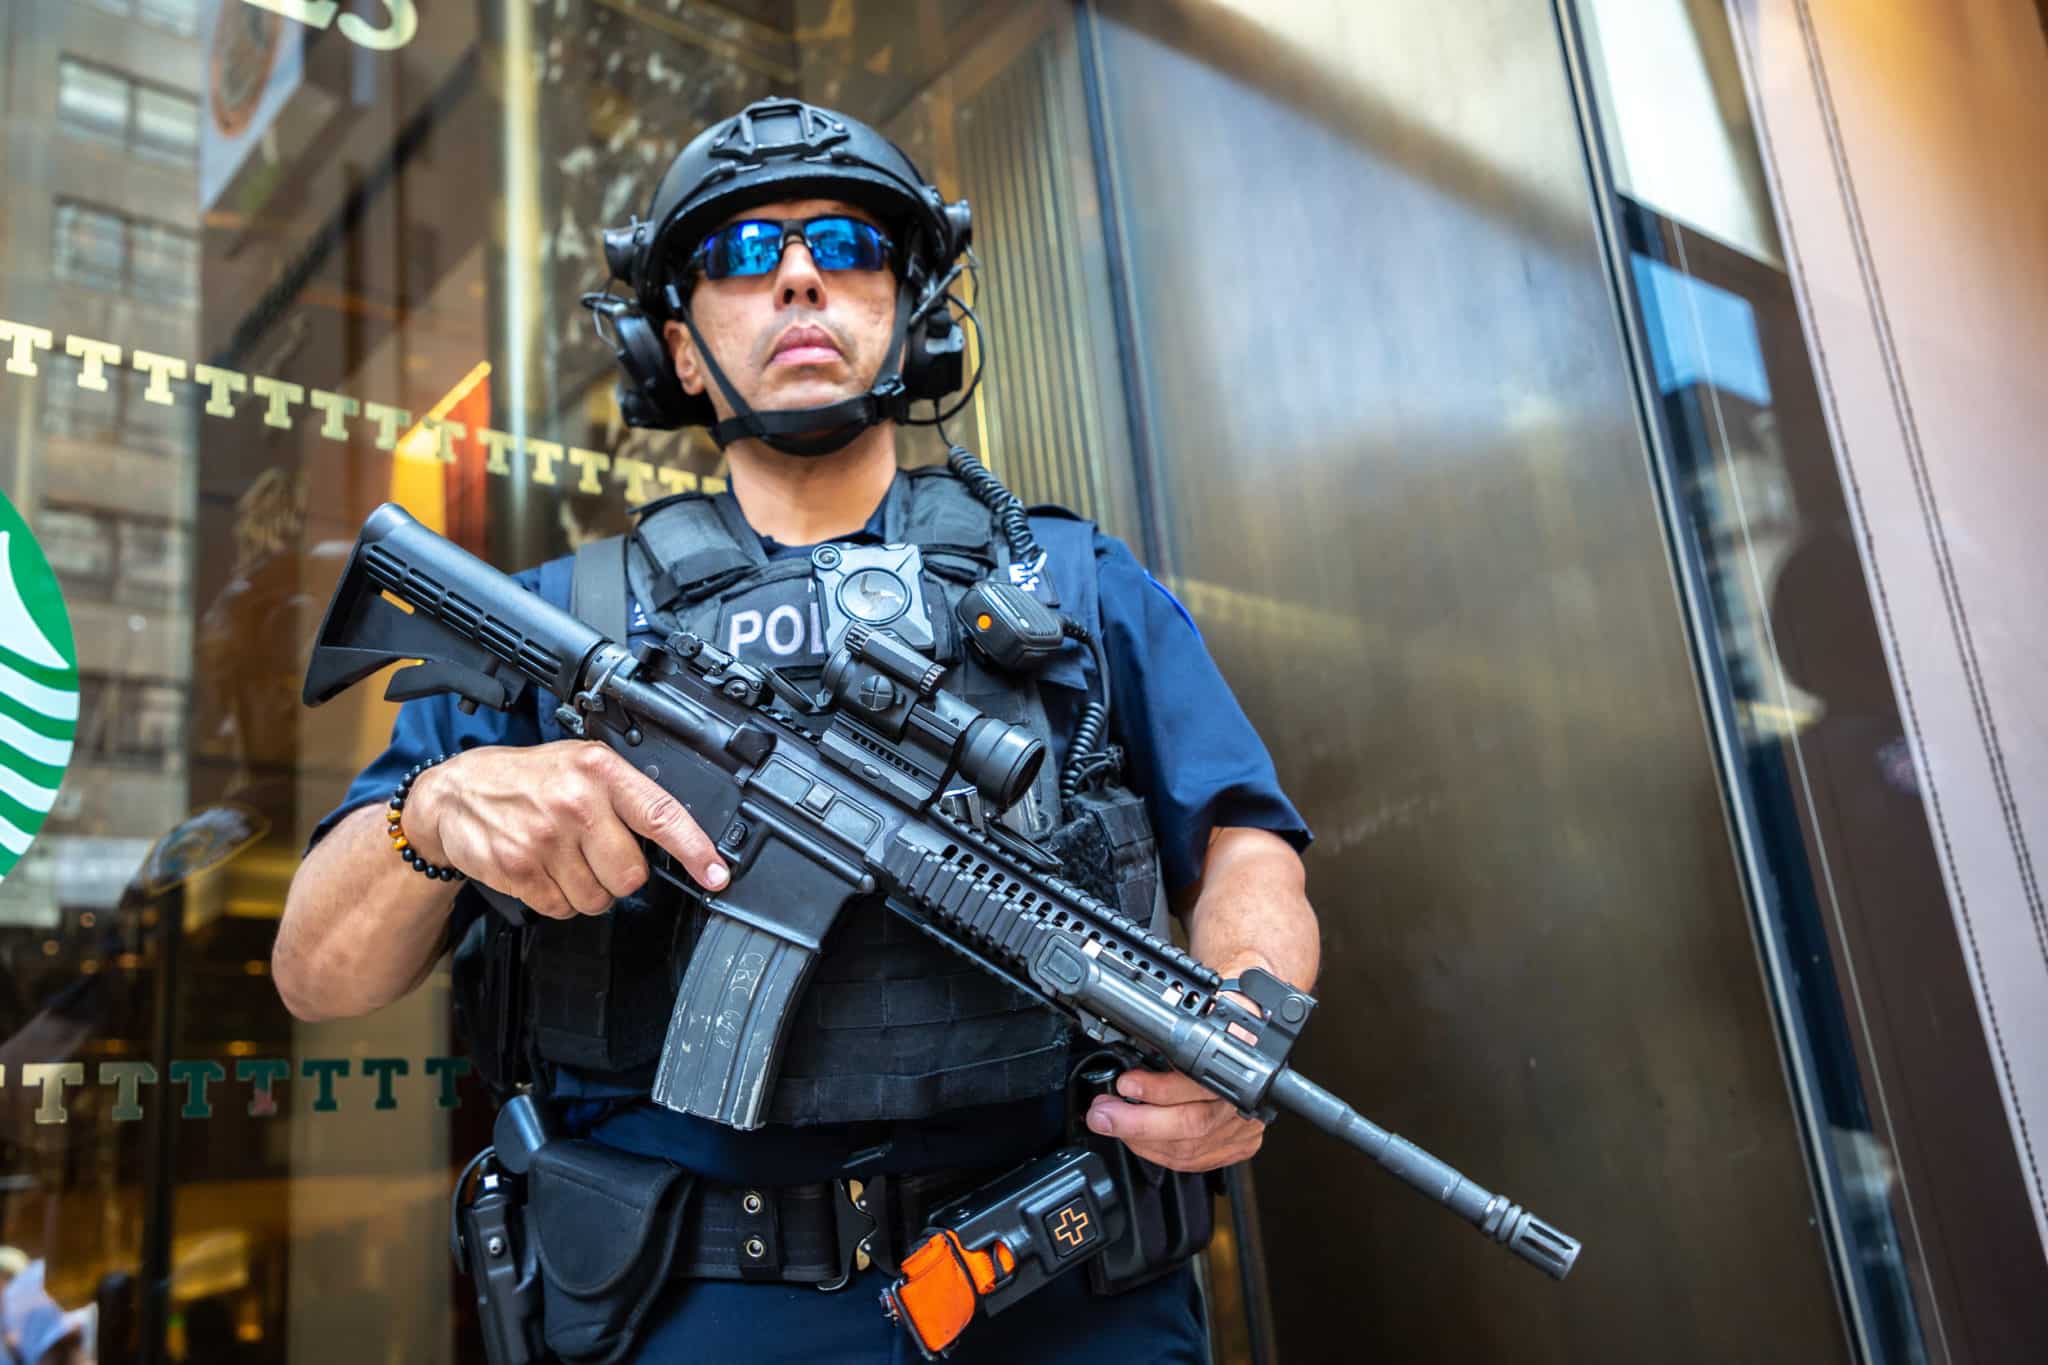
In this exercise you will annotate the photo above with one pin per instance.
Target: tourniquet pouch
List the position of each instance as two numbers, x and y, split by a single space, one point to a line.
607 1223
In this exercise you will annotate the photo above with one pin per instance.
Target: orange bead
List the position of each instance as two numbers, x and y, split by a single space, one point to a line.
398 841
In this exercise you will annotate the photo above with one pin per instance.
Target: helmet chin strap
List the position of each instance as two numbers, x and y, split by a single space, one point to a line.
831 426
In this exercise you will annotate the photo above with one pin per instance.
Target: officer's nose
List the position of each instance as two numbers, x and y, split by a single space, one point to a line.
798 279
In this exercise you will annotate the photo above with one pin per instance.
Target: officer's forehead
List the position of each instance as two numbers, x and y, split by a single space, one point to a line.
784 210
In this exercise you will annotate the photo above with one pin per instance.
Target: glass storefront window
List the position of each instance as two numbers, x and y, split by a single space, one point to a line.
1853 921
1303 302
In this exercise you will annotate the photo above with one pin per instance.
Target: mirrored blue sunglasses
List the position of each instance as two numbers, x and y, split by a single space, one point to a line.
754 246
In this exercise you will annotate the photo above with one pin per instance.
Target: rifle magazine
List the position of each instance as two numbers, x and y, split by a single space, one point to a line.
725 1036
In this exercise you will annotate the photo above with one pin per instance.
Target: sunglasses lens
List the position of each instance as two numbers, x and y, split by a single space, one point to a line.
755 247
844 244
743 249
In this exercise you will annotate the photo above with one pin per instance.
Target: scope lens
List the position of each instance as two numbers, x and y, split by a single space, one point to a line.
1001 760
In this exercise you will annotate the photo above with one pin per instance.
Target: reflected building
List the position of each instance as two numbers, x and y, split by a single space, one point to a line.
101 239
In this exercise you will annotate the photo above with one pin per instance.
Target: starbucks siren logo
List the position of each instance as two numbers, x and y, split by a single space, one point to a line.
38 687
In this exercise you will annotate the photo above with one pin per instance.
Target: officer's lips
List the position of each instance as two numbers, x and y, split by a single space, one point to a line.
806 345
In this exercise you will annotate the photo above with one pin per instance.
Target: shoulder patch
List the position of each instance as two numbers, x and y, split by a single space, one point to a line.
1167 593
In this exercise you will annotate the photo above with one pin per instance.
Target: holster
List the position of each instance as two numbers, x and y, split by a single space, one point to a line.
492 1244
605 1224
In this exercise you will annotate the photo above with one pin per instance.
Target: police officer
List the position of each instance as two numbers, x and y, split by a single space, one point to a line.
787 290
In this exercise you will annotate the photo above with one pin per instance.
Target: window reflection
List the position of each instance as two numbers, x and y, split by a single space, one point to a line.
91 246
1770 526
166 125
180 17
79 548
96 103
91 101
163 263
119 415
102 249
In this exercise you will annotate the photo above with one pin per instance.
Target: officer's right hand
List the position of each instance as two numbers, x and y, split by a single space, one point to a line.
553 824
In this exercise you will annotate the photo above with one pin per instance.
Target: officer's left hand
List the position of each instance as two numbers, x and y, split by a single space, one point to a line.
1175 1122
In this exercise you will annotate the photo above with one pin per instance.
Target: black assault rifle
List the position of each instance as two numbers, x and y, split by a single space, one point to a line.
890 788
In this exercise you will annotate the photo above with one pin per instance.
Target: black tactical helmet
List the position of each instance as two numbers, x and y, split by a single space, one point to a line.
780 149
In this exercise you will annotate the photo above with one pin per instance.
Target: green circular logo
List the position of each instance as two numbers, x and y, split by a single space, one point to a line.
38 687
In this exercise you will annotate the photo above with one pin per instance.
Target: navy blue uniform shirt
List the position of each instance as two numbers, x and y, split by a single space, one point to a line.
1188 749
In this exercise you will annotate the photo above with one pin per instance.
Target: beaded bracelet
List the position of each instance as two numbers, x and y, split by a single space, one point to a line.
398 839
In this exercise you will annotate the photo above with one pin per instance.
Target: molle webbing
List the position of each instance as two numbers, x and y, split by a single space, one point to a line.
891 1025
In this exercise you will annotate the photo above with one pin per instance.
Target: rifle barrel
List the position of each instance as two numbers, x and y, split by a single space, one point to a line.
1522 1232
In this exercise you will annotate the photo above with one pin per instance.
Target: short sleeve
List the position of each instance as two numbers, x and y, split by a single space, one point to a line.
1189 747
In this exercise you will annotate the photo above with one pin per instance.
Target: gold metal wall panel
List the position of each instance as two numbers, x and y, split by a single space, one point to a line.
1403 491
1042 415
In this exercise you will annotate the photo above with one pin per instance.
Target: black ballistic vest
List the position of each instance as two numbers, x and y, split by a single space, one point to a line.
893 1025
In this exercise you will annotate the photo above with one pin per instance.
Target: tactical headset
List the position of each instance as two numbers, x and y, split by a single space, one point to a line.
780 149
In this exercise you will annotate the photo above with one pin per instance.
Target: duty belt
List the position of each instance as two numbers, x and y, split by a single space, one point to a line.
818 1234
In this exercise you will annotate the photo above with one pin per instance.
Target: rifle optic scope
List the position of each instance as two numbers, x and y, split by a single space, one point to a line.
895 690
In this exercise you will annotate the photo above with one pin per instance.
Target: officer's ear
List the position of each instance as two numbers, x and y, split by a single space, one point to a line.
689 365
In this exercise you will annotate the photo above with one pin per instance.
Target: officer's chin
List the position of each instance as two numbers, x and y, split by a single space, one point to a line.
800 392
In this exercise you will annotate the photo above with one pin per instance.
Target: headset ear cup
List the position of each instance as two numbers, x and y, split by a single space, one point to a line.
650 395
935 356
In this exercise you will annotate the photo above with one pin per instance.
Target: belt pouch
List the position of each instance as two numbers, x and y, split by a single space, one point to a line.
485 971
607 1223
1171 1217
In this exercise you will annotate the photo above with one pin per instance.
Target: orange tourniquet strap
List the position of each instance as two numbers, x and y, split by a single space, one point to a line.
941 1281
